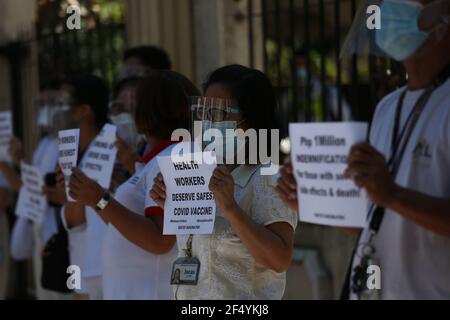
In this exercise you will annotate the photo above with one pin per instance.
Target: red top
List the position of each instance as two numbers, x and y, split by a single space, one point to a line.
156 211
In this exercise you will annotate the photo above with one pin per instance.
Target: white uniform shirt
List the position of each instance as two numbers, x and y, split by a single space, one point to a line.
130 272
414 261
227 269
46 158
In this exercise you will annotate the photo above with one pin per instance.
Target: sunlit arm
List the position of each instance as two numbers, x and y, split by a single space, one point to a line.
145 232
429 212
74 214
271 246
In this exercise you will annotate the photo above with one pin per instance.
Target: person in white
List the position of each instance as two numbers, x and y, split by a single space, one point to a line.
411 244
250 249
5 202
137 258
28 239
89 109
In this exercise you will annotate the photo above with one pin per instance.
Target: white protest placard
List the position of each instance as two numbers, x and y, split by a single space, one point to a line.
6 133
32 203
68 154
319 153
98 162
190 207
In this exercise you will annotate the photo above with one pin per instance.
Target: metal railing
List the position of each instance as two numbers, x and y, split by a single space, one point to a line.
333 89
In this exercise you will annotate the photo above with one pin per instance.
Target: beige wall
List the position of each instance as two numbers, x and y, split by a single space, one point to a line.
221 34
199 35
165 23
17 21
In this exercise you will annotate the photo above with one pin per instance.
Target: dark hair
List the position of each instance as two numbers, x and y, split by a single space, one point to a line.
133 81
92 91
150 56
251 90
189 88
254 94
162 103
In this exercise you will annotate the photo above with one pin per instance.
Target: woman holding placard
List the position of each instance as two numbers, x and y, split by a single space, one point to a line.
136 256
250 249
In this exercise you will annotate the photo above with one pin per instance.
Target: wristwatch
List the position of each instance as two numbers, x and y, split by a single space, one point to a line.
101 205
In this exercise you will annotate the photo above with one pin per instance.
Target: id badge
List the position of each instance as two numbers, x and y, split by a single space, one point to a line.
185 271
371 293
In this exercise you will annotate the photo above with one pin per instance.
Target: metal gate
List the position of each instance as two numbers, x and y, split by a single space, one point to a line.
311 32
96 48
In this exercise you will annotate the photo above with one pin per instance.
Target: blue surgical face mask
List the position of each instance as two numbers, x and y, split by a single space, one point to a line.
227 129
399 36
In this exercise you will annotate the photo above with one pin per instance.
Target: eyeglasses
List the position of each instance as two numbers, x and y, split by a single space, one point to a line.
213 109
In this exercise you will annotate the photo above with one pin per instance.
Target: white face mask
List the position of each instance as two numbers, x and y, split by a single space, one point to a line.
126 129
43 116
46 116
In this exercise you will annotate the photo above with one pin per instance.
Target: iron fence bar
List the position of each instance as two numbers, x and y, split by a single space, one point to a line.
337 26
264 31
292 25
308 116
250 33
323 84
355 73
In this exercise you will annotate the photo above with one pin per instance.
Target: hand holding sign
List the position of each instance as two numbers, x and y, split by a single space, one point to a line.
189 206
158 192
222 185
84 190
15 150
98 162
319 157
32 203
368 168
68 154
287 186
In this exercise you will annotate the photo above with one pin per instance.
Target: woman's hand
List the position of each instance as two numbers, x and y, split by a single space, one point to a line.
4 166
158 192
60 181
55 195
15 151
84 190
222 185
287 186
127 155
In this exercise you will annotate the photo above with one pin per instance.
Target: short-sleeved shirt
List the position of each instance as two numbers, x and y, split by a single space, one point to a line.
130 272
414 261
46 158
227 269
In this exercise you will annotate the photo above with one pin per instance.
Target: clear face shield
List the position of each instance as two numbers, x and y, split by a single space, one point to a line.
396 28
213 127
53 112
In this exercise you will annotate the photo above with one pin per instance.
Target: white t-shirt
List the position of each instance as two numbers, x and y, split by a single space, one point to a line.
77 246
414 261
90 243
130 272
45 158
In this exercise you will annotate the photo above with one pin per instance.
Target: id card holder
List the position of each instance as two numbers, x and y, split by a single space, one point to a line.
185 271
371 293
